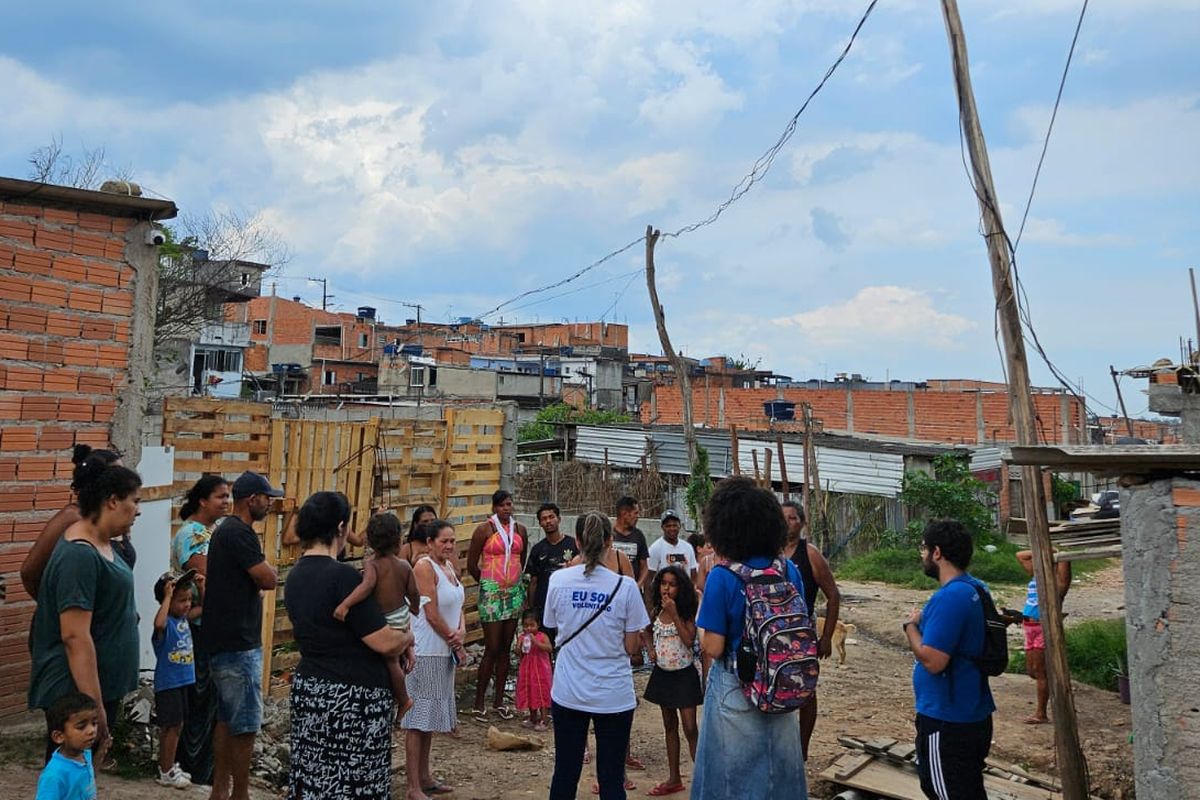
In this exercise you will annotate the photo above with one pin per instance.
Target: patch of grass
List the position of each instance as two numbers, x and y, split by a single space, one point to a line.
1087 566
901 566
1094 648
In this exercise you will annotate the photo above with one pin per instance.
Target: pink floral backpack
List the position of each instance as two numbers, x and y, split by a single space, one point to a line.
777 657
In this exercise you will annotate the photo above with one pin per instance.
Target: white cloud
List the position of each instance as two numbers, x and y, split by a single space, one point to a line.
879 316
697 97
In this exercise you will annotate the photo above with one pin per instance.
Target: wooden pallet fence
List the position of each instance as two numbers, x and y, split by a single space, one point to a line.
452 464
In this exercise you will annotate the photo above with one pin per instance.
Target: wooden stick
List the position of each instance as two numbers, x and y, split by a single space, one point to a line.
767 480
1071 760
757 474
787 492
733 444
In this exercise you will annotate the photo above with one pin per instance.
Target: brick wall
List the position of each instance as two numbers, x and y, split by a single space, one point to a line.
67 331
950 416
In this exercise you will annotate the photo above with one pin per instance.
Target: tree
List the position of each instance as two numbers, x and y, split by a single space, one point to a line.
50 164
699 488
951 492
201 264
548 418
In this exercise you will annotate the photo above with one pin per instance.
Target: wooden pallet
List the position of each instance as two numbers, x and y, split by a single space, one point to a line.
887 768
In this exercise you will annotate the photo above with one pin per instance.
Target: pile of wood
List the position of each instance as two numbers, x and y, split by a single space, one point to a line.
887 768
1073 541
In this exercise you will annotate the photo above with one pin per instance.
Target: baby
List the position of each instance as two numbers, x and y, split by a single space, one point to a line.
391 579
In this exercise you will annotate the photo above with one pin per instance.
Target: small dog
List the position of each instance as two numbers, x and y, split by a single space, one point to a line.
840 632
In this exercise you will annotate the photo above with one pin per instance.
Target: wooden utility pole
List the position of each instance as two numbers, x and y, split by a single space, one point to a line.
677 363
733 451
1117 385
787 490
1071 763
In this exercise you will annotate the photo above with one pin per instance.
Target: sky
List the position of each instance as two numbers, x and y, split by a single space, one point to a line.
458 154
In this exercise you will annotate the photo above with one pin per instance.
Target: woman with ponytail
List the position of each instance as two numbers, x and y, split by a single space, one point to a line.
206 502
599 615
88 463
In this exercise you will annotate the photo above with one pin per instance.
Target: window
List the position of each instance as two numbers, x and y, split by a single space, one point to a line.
327 334
330 377
260 327
433 376
362 376
416 377
245 279
222 361
363 340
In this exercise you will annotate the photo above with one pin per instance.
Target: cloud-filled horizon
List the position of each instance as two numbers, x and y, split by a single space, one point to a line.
461 153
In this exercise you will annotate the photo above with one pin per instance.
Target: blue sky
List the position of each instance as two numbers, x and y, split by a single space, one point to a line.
456 154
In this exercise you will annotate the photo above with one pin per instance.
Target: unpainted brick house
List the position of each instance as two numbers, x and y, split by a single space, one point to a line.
78 284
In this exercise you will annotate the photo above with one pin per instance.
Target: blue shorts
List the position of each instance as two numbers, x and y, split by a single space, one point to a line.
237 678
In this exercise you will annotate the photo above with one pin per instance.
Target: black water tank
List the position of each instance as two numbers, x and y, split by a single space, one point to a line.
366 312
781 410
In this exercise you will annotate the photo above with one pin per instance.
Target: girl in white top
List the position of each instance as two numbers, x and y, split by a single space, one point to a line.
438 632
599 615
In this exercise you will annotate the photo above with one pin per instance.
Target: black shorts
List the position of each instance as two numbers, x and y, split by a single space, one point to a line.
171 707
950 757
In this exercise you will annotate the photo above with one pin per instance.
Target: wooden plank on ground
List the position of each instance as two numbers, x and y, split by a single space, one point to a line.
849 764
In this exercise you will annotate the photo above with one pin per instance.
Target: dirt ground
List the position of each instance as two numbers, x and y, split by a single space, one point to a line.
869 696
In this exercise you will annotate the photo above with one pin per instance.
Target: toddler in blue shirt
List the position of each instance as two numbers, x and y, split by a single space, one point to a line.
174 671
73 721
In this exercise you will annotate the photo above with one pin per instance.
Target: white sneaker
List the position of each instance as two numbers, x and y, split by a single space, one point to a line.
179 769
173 777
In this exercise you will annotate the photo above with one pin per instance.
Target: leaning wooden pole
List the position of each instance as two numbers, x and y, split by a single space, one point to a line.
1071 763
677 363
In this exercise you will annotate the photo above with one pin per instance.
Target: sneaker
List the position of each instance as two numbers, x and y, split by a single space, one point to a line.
179 769
173 777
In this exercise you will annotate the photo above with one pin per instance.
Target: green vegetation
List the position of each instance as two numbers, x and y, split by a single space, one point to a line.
543 427
1064 493
950 492
699 487
901 566
1095 653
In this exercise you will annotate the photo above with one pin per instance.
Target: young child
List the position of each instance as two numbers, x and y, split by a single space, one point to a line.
674 684
391 579
534 675
175 669
73 721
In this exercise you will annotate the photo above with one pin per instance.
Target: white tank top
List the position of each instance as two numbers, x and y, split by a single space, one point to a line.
450 595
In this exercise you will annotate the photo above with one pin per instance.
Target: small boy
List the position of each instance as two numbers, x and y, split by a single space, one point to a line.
175 669
394 585
73 721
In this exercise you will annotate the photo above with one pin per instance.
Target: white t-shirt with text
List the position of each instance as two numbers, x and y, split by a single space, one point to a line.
592 672
663 553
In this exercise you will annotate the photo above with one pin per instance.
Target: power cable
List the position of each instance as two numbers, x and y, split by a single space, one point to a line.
761 166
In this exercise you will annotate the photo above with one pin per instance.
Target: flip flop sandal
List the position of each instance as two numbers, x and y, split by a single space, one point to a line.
437 788
633 763
503 712
664 789
480 715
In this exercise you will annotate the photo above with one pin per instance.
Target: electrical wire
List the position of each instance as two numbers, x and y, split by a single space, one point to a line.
621 294
759 170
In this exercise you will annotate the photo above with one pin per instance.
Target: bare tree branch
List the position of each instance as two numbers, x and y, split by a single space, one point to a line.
50 164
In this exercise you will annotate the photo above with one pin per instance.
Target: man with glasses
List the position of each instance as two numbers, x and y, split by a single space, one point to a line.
953 701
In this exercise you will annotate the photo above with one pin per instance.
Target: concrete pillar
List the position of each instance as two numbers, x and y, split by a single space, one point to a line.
849 411
720 406
912 415
131 400
1064 416
1160 532
980 427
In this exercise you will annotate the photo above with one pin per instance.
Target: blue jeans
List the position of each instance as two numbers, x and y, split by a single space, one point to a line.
570 739
742 751
237 678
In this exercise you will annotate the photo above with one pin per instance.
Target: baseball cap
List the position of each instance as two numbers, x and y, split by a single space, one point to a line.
181 579
250 483
670 514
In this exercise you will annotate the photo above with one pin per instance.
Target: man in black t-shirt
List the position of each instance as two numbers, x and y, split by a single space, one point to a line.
232 631
547 556
629 540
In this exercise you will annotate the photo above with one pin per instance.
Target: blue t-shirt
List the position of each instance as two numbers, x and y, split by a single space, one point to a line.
723 607
1031 602
952 621
176 662
67 779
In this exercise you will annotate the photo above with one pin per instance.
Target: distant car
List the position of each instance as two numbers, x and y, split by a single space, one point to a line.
1105 504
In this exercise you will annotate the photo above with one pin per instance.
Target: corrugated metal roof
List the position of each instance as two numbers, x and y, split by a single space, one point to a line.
841 470
987 458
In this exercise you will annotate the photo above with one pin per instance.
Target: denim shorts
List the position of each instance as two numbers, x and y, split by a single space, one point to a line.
237 678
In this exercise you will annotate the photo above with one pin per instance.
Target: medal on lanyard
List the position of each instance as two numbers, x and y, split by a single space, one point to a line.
508 537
